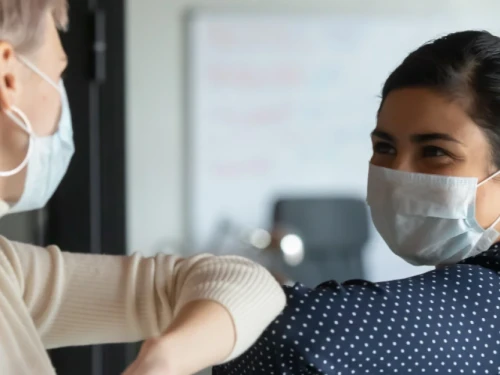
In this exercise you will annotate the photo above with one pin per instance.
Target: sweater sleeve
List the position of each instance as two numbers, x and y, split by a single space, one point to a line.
82 299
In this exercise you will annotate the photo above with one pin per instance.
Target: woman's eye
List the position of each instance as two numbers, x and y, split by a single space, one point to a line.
433 152
384 148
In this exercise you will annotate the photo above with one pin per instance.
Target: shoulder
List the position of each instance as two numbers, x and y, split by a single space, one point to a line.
21 260
332 304
347 319
489 259
10 262
482 272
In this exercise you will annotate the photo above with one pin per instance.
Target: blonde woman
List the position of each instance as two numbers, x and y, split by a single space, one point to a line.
196 312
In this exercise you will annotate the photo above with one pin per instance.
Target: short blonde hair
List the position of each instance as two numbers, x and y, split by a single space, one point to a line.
22 21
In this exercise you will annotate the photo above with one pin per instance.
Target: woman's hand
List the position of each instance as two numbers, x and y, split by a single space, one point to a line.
154 359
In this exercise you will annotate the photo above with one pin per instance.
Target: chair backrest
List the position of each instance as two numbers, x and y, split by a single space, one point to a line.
334 231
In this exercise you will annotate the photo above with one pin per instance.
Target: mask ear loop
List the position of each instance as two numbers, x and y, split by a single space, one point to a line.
495 223
489 178
20 119
482 183
35 69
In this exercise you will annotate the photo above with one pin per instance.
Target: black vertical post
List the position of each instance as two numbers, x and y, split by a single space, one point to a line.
87 213
112 151
69 211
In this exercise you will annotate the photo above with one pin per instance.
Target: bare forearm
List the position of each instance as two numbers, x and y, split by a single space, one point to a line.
200 336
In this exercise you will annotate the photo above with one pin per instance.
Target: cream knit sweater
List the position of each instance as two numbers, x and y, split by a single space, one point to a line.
50 298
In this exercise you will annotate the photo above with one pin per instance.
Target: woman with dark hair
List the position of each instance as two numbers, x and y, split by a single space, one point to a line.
434 197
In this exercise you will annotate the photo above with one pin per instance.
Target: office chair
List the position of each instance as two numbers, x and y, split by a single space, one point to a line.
334 231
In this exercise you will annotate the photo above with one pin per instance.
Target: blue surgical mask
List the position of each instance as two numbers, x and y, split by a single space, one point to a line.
48 157
428 219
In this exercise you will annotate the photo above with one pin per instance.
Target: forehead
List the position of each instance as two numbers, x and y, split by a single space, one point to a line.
420 110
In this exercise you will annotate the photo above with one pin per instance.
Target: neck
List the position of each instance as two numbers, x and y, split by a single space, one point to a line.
12 187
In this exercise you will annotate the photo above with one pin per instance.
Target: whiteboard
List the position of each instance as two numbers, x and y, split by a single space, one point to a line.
283 104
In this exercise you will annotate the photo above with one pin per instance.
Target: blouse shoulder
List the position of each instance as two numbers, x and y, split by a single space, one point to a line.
362 326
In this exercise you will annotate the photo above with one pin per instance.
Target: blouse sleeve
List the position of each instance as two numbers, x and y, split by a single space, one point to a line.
416 325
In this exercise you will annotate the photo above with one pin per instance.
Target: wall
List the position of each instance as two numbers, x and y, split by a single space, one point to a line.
155 152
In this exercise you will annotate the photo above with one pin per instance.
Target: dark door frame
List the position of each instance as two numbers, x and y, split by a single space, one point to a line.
87 213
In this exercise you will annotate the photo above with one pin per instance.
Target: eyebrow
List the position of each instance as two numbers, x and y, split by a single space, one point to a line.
383 135
427 137
417 138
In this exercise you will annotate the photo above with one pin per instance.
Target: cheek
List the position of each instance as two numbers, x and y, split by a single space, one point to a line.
44 113
488 203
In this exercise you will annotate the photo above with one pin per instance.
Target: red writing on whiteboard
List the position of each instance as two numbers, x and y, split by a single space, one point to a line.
261 116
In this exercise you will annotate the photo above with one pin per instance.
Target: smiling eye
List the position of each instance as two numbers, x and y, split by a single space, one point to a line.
433 152
384 148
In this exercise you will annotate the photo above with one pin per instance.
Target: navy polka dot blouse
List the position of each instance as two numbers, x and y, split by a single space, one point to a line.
446 321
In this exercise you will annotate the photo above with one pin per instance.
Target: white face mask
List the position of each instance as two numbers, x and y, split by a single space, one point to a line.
428 219
47 157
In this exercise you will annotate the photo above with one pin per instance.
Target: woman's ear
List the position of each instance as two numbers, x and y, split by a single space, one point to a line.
9 80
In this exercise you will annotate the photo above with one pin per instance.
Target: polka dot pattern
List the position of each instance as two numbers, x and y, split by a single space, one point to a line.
442 322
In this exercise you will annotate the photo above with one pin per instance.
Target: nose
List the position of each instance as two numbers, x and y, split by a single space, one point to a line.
401 163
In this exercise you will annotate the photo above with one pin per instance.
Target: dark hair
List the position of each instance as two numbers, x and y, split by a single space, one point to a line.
464 66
